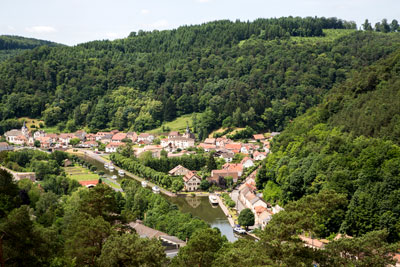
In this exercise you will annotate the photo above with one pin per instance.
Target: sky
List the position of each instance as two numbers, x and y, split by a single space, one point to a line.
76 21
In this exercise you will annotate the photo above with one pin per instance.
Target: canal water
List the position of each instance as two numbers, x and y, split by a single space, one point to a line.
198 206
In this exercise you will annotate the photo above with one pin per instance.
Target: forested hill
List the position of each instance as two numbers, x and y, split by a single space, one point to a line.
262 74
12 45
349 144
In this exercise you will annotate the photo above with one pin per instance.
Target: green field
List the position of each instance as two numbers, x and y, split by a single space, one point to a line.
330 35
80 174
179 124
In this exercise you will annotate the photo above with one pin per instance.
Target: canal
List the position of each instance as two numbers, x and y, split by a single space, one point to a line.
197 206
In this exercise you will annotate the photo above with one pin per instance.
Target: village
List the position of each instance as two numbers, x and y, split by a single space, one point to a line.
173 144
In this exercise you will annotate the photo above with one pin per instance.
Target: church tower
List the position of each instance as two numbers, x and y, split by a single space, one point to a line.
24 130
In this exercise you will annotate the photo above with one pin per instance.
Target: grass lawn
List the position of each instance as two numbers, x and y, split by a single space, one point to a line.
179 124
50 129
110 183
29 122
80 174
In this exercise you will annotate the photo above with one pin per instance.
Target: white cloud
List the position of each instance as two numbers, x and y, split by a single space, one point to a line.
41 29
10 28
145 11
203 1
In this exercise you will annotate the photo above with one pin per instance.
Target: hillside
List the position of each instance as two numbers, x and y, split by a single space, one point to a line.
11 46
234 73
349 144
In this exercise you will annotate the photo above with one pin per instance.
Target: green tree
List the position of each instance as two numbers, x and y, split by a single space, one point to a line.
8 193
85 239
201 249
36 143
211 165
204 185
131 250
246 218
74 141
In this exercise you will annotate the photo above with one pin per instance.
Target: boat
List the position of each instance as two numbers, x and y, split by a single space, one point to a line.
111 167
106 166
155 189
144 184
213 199
121 173
114 177
239 230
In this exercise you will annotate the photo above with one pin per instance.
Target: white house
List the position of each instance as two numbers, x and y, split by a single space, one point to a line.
145 137
191 181
178 170
247 162
112 147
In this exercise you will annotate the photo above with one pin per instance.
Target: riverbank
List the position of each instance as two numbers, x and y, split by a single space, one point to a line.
226 211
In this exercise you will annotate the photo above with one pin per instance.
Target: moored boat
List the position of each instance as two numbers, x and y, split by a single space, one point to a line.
121 173
239 230
213 199
156 189
106 166
111 167
144 184
114 177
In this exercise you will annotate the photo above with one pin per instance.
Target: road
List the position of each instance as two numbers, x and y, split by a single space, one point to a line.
97 157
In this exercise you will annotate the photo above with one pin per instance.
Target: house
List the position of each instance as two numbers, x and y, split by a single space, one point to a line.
90 144
227 156
53 138
114 132
154 149
67 162
20 140
5 147
90 137
173 134
65 138
39 133
45 141
147 232
106 138
247 162
191 181
12 135
222 141
100 135
259 137
145 137
234 147
259 155
112 147
118 137
80 134
132 136
234 167
313 243
177 142
178 170
247 148
89 184
218 175
210 141
207 147
262 216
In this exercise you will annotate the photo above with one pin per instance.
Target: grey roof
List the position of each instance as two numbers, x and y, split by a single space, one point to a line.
13 133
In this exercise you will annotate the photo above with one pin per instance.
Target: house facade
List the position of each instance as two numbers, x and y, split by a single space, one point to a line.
191 181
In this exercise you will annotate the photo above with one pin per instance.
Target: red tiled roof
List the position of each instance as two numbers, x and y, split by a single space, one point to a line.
85 183
116 144
259 136
233 146
119 136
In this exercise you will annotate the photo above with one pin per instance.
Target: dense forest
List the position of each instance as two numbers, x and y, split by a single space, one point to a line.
262 74
348 144
11 46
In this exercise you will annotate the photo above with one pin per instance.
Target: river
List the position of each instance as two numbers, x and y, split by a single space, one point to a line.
197 206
